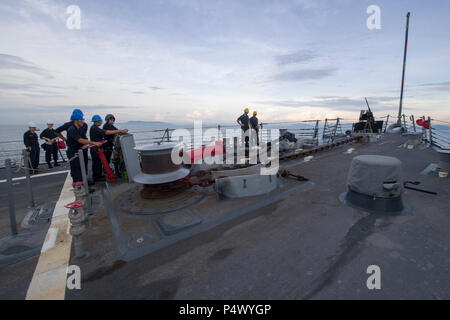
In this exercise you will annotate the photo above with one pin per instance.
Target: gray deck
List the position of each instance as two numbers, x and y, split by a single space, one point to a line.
306 245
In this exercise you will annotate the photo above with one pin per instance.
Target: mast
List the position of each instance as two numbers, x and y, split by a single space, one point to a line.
399 121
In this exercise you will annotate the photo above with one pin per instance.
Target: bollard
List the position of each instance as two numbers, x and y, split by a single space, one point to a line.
77 227
12 209
26 159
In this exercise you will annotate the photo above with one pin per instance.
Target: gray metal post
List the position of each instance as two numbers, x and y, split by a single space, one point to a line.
387 120
335 130
261 133
424 131
235 150
26 159
431 135
85 180
12 209
225 149
413 122
316 132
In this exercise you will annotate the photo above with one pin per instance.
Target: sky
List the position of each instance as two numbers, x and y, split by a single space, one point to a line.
183 60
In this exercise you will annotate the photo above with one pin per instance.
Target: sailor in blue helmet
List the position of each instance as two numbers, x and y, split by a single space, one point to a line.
67 125
76 140
98 134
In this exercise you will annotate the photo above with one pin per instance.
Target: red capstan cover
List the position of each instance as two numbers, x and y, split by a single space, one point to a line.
426 124
205 151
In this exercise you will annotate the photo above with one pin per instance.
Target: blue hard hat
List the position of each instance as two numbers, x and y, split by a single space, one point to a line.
77 114
96 118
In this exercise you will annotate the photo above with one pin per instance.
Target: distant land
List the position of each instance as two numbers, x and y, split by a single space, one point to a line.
151 123
173 125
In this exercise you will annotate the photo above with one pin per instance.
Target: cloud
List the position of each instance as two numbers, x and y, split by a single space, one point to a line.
69 108
10 62
294 58
45 95
155 88
15 86
439 86
304 74
336 102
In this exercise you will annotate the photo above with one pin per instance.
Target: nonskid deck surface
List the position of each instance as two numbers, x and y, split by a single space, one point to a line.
303 244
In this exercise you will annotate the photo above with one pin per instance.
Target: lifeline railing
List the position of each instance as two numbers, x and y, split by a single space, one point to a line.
318 131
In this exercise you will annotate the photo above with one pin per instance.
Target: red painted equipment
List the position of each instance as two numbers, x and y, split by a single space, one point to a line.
74 205
205 151
78 184
109 173
423 123
61 144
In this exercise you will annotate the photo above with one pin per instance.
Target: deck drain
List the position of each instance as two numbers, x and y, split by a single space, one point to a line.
38 216
139 240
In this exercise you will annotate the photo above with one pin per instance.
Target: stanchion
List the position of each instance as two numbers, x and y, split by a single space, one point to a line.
12 209
26 159
85 180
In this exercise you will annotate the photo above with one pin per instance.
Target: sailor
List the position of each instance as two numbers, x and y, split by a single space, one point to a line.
67 125
30 139
255 126
51 147
76 140
98 134
243 121
109 145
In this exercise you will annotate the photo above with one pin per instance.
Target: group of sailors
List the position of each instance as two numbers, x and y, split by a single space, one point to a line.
100 137
76 139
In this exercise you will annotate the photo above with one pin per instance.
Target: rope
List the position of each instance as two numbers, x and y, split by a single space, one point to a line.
22 167
441 121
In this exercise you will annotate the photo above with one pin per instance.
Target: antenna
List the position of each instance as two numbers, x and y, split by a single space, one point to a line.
368 105
399 121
